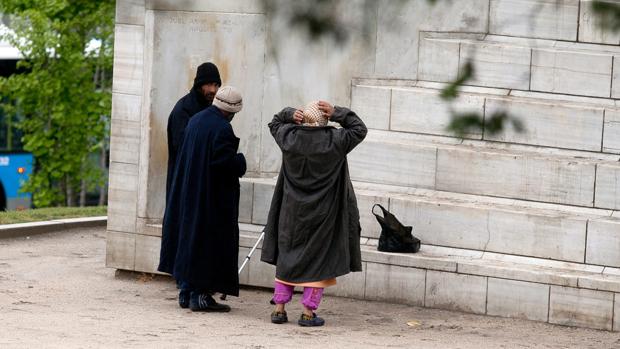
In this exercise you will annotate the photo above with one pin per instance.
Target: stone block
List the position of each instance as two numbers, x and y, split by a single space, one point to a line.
393 163
125 142
122 210
546 19
615 84
514 175
390 283
418 260
603 245
511 271
543 263
487 228
590 27
397 54
498 65
579 307
123 177
438 60
147 253
616 324
517 299
236 6
456 292
261 273
611 134
120 250
149 226
600 282
443 224
246 200
423 111
350 285
262 202
535 234
608 186
130 12
372 104
368 222
126 107
570 72
128 59
549 124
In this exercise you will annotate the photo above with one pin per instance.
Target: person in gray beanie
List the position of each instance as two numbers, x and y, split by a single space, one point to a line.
203 206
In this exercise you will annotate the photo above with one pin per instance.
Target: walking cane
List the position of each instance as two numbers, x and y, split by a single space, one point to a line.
247 258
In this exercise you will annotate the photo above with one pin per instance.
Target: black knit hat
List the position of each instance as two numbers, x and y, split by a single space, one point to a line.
207 73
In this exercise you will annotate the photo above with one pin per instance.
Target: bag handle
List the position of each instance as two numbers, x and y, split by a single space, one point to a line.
382 209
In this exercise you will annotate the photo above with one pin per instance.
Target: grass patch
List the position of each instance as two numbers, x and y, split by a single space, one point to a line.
46 214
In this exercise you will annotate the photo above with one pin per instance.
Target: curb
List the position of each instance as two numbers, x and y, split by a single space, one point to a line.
35 228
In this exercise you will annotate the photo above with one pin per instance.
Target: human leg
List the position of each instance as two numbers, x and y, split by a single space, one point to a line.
282 294
311 300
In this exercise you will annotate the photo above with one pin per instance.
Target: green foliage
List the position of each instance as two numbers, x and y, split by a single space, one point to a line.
49 213
64 94
608 14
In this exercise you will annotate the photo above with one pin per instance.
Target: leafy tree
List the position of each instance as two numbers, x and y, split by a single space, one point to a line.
64 93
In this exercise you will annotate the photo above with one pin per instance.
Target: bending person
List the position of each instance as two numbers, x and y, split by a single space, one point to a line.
312 234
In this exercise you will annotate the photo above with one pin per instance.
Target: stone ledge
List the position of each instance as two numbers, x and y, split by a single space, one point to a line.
478 263
34 228
471 281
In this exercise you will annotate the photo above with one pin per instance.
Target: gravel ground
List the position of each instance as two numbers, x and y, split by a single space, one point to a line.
55 292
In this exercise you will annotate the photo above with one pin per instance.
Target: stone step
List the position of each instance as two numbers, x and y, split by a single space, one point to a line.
522 64
477 223
533 174
550 120
471 281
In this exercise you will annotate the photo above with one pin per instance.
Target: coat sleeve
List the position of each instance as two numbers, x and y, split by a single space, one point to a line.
353 129
281 123
177 121
225 157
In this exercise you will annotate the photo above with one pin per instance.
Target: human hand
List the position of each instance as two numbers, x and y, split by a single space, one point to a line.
327 109
298 117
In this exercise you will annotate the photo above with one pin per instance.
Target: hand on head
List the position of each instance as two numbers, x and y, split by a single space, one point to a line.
298 117
327 109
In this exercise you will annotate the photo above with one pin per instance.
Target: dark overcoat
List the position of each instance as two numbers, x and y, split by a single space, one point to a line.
203 207
183 110
313 229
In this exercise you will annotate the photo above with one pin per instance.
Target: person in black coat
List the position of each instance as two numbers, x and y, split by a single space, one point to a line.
200 97
206 84
203 207
312 234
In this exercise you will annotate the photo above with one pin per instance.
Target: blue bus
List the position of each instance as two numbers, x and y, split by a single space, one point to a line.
15 167
15 164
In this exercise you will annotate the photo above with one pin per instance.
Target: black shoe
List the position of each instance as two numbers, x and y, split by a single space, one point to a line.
279 317
310 321
184 299
204 302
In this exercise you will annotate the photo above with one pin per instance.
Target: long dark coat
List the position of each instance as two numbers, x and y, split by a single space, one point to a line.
183 110
203 207
313 229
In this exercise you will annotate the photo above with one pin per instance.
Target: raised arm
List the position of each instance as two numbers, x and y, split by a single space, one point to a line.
284 121
353 129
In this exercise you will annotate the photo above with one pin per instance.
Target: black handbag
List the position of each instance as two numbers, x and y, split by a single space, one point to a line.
395 237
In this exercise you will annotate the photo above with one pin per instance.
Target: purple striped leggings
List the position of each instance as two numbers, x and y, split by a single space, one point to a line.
311 299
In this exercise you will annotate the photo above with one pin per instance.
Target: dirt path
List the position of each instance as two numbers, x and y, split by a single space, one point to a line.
56 293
